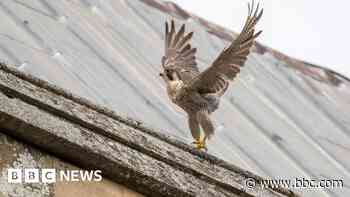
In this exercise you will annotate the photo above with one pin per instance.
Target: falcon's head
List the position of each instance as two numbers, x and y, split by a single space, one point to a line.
169 75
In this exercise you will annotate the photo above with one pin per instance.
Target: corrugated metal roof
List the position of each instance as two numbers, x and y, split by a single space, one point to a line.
282 118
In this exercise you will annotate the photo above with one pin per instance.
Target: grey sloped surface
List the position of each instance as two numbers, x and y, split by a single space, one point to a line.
275 120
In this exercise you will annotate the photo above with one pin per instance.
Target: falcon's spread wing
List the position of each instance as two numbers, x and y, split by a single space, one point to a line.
179 55
215 79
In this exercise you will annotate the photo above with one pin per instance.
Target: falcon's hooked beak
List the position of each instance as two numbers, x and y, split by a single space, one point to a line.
164 77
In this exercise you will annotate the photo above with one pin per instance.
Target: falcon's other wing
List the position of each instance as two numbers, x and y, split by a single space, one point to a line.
179 55
215 79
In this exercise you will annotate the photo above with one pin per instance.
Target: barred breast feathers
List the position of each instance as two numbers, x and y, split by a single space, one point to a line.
173 88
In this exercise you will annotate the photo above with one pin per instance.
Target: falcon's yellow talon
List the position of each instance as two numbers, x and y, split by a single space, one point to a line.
200 145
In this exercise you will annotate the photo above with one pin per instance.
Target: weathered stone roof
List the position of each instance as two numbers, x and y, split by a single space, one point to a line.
280 117
127 152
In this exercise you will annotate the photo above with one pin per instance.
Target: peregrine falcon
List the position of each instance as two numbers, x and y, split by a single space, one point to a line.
198 93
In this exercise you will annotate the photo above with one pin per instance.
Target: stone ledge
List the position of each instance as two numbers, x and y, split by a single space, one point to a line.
127 151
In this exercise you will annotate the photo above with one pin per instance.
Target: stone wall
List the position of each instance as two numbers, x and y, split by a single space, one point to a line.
16 154
126 151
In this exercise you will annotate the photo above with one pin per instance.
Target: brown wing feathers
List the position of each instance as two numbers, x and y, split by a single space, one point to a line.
179 55
227 65
236 54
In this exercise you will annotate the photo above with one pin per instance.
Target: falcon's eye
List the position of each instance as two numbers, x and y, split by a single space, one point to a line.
161 74
170 77
168 74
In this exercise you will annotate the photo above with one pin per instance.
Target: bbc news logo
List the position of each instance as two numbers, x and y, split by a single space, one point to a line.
50 175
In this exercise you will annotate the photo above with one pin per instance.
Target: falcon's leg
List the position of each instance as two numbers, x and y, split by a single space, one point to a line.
207 126
195 131
200 145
